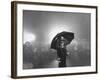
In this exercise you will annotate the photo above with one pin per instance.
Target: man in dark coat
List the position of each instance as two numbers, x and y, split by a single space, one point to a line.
61 51
59 43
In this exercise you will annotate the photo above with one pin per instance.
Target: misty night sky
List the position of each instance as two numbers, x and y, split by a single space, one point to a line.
43 24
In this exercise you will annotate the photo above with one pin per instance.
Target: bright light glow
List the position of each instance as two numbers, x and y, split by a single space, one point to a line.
55 30
29 37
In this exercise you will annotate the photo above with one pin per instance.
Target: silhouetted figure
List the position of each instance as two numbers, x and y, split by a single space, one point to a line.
60 42
62 51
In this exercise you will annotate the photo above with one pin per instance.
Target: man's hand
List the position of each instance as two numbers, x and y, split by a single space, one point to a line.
58 59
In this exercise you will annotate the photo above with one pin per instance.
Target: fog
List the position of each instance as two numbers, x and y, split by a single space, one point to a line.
44 25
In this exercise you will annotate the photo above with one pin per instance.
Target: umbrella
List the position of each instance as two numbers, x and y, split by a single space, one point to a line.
67 35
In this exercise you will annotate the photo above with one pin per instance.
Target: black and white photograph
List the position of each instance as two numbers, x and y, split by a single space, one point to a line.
56 39
53 39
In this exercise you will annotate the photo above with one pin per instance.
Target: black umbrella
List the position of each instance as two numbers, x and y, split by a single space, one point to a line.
67 35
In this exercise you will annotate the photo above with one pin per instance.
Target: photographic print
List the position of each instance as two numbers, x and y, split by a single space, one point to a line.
45 33
53 39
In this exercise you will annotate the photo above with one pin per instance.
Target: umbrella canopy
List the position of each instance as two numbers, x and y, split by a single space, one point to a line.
67 35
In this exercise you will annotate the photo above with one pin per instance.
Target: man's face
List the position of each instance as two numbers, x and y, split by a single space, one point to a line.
64 42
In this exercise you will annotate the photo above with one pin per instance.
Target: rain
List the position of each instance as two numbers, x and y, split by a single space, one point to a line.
39 29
